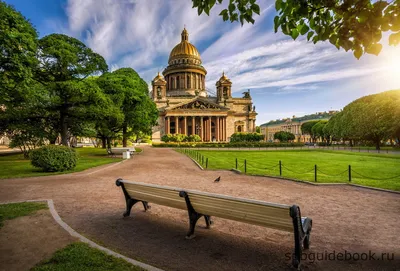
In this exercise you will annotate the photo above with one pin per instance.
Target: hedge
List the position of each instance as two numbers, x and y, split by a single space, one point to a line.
226 145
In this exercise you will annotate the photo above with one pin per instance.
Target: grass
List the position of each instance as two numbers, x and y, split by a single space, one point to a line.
80 256
375 170
14 166
14 210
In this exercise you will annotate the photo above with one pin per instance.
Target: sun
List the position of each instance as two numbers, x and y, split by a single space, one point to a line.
390 68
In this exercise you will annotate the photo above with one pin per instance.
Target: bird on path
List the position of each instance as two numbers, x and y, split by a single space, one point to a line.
217 179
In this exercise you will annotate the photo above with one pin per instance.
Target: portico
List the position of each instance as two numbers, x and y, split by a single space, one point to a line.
209 128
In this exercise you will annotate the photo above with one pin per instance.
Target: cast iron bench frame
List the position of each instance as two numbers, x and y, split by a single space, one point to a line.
301 225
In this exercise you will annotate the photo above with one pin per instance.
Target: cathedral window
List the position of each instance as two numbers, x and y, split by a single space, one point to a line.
188 81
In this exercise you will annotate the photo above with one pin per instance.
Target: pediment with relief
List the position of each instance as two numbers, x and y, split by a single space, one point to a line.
198 105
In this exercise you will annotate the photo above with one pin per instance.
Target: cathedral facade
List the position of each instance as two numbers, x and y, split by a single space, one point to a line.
185 106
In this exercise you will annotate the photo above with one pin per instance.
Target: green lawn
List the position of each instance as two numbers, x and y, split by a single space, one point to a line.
80 256
14 210
13 166
332 166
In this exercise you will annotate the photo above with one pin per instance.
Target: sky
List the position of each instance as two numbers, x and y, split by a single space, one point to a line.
286 77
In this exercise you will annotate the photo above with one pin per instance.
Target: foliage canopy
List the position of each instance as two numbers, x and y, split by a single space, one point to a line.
355 25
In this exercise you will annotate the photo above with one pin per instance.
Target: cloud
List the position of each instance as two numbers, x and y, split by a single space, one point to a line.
141 34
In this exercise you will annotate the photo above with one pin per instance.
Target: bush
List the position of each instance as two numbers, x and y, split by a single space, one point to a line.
180 138
54 158
193 138
246 137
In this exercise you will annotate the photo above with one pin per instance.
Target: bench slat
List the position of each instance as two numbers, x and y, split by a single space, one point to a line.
160 198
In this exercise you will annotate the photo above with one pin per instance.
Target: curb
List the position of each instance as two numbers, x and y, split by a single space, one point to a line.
83 239
196 163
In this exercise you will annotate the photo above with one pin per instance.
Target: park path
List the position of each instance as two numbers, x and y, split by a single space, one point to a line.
344 218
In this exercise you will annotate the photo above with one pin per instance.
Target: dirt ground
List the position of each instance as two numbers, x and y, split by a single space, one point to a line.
349 219
22 240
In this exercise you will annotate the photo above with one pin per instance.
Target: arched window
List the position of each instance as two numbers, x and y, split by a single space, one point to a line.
159 92
225 92
177 82
188 81
239 128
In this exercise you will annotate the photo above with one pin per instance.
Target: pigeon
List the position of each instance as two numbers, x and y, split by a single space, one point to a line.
217 179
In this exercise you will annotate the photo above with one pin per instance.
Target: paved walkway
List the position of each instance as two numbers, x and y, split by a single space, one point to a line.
344 218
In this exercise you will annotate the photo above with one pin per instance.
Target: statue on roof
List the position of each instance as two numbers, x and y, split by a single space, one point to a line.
246 94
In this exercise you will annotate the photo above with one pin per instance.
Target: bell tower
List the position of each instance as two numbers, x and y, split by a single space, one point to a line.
224 88
159 87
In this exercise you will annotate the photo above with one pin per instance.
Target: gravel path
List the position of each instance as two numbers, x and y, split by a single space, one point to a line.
345 218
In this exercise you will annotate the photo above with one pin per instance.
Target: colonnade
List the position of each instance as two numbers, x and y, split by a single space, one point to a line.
186 80
209 128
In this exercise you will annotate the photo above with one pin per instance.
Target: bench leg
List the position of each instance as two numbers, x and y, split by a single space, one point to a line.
208 221
131 201
302 230
146 205
129 204
193 216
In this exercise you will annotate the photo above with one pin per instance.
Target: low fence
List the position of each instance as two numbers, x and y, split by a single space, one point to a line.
252 167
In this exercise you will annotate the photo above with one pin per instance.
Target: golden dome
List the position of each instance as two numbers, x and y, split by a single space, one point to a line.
184 49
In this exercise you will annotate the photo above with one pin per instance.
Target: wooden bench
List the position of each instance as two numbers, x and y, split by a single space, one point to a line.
198 204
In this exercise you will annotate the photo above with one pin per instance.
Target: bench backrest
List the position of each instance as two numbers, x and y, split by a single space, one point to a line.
163 195
261 213
256 212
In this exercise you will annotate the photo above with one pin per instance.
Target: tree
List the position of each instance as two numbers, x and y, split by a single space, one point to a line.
306 128
18 43
258 129
355 25
317 129
283 136
373 118
64 63
129 92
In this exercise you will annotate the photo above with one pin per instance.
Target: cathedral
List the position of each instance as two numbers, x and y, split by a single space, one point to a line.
186 107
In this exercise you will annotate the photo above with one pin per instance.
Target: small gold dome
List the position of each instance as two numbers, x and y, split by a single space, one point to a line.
184 49
224 77
158 77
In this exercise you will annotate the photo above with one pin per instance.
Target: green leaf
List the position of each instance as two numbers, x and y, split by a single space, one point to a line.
304 29
278 4
294 34
256 8
374 49
207 10
231 8
358 52
309 35
312 23
212 3
276 23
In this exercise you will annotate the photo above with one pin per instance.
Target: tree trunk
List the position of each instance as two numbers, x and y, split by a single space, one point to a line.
124 135
103 142
377 144
108 142
64 129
